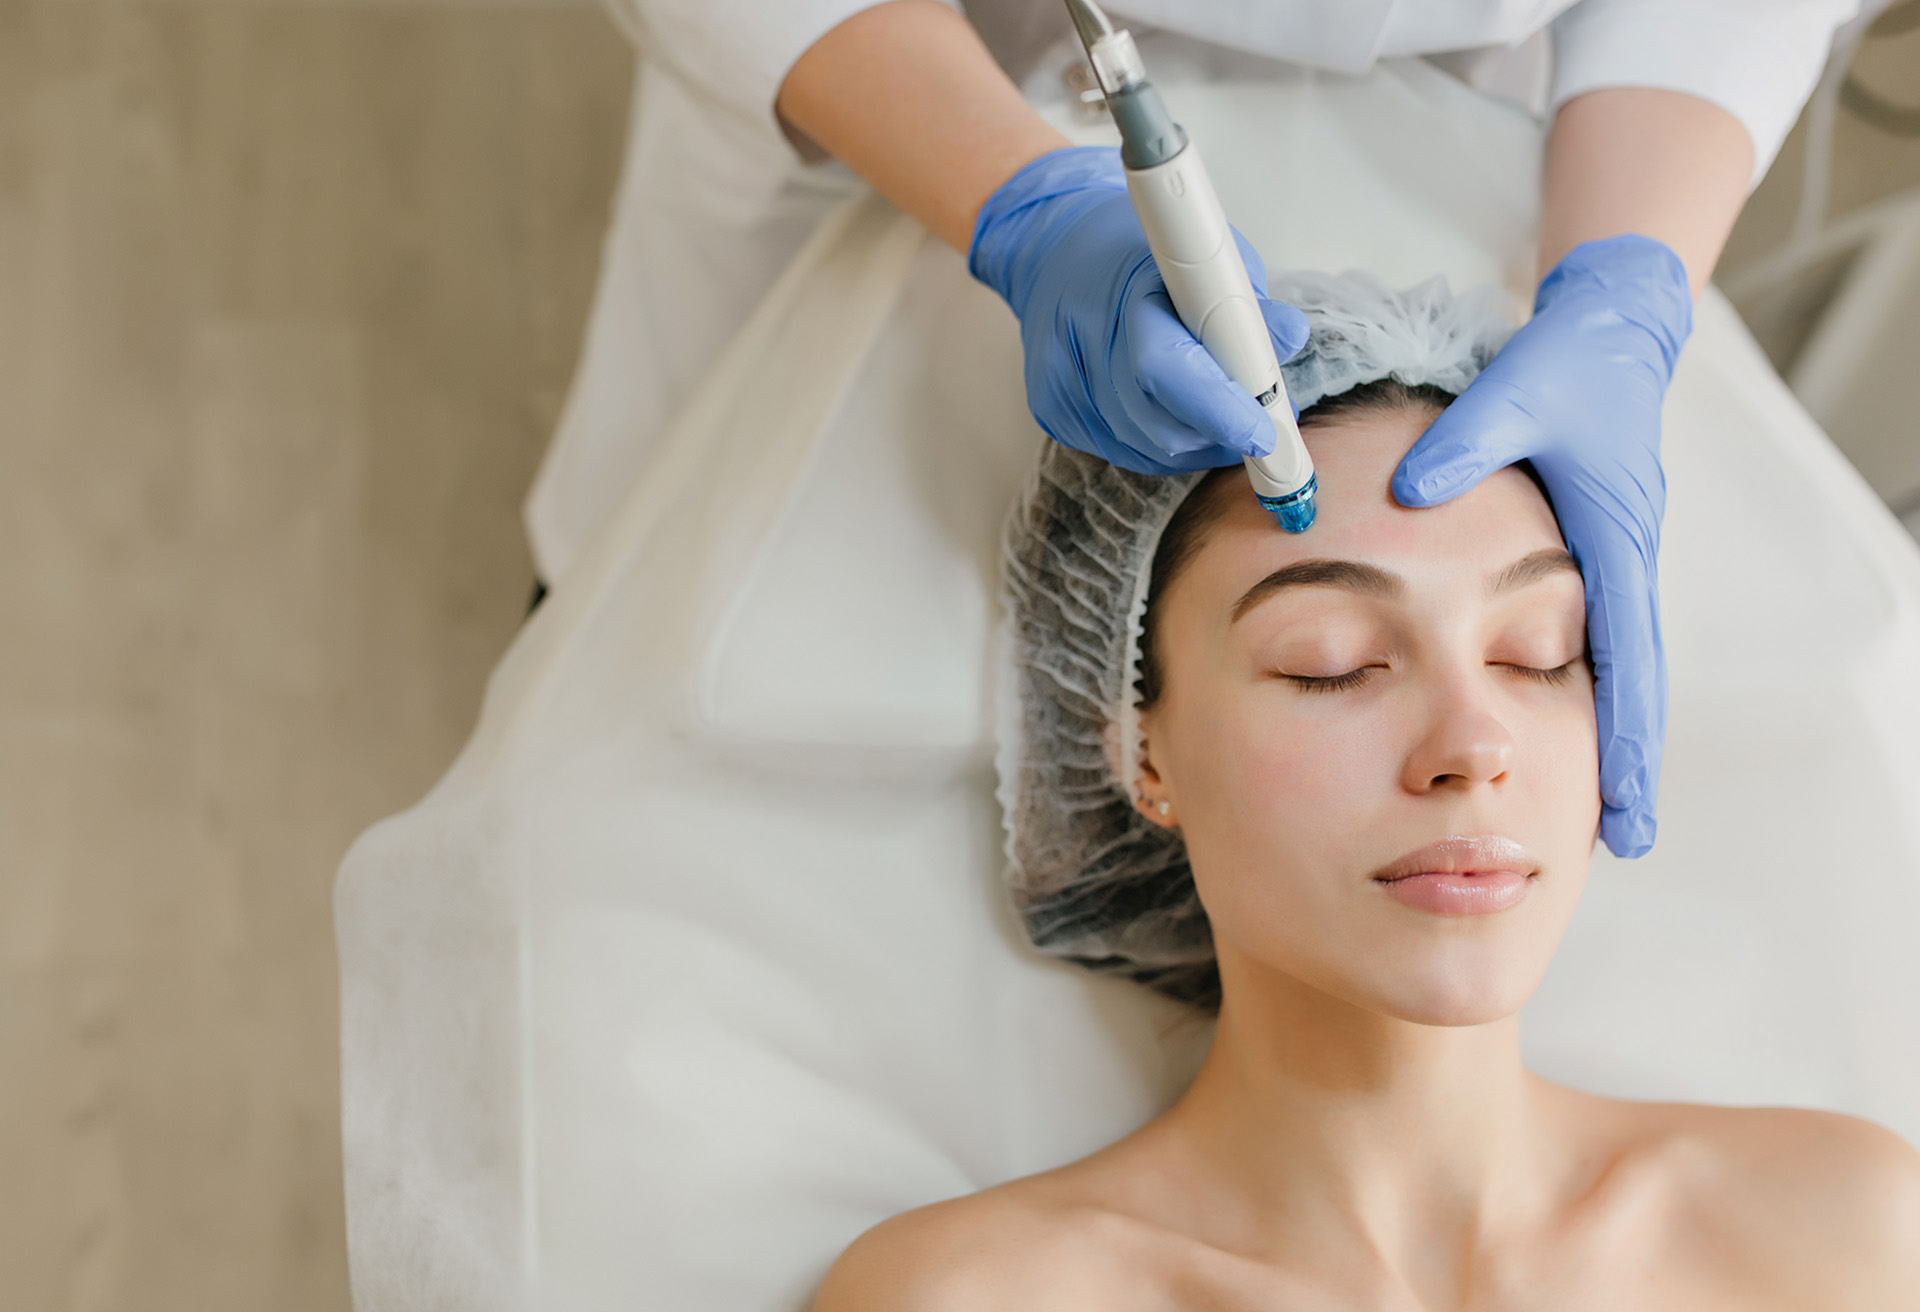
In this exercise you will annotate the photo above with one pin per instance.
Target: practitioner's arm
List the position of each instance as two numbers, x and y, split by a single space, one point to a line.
906 95
1663 164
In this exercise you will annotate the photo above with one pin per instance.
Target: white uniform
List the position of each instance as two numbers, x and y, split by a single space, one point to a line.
715 200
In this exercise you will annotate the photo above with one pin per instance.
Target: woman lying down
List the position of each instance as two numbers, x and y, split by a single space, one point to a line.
1342 788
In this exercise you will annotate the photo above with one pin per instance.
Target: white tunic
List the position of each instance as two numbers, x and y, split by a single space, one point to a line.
714 200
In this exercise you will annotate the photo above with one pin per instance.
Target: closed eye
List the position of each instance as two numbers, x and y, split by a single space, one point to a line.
1332 682
1558 674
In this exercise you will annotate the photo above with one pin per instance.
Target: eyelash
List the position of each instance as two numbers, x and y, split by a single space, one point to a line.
1558 674
1334 682
1352 679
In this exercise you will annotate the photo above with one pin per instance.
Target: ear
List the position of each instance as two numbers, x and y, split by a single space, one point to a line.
1149 787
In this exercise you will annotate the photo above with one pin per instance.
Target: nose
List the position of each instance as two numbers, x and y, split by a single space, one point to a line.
1465 746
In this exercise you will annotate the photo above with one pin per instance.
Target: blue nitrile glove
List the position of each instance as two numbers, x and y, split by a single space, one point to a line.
1577 392
1110 368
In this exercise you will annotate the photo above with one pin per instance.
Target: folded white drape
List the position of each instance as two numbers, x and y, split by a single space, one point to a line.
696 964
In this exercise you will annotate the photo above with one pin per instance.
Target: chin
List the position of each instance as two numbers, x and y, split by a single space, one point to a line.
1456 994
1454 1013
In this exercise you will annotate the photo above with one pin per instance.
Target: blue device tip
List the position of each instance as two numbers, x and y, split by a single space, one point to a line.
1297 516
1295 512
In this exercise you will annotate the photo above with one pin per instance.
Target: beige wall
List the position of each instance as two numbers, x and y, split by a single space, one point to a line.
289 298
1868 164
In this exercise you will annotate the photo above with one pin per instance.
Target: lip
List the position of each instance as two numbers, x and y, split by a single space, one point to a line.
1460 876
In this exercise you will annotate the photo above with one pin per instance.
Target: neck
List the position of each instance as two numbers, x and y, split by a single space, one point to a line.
1331 1122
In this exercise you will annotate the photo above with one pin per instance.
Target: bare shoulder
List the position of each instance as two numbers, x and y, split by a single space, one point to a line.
1827 1206
1027 1244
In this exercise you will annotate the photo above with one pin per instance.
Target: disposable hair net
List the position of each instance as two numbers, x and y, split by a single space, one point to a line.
1094 880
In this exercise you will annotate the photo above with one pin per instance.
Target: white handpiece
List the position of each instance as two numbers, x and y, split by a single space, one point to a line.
1196 254
1205 276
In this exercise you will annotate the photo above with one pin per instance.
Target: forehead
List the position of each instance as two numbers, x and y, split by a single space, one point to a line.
1468 538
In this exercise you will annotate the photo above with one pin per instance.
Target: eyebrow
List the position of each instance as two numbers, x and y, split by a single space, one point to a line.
1531 568
1372 581
1348 575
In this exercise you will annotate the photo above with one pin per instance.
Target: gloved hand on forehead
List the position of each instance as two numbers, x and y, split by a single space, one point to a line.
1577 391
1110 369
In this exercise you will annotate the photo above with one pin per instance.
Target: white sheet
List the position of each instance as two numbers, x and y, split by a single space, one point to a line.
695 964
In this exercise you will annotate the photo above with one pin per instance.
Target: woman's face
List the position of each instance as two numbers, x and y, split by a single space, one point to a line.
1377 737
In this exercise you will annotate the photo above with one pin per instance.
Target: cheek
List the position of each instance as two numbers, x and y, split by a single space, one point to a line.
1277 774
1560 760
1309 781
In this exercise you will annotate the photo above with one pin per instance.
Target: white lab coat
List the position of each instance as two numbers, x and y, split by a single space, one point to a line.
715 199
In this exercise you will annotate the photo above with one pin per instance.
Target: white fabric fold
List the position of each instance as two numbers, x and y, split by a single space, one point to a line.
697 963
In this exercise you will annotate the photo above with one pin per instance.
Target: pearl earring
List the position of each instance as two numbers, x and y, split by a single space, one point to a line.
1165 807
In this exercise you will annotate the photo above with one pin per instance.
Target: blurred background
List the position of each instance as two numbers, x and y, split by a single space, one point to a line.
290 295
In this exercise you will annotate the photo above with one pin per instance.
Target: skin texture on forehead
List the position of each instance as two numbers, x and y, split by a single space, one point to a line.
1334 700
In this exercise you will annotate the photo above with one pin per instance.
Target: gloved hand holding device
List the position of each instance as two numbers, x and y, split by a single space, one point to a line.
1110 369
1577 392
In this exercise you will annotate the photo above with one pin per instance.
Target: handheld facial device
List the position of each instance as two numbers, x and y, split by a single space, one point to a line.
1197 256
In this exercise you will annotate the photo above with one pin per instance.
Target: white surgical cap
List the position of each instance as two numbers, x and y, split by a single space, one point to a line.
1094 880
